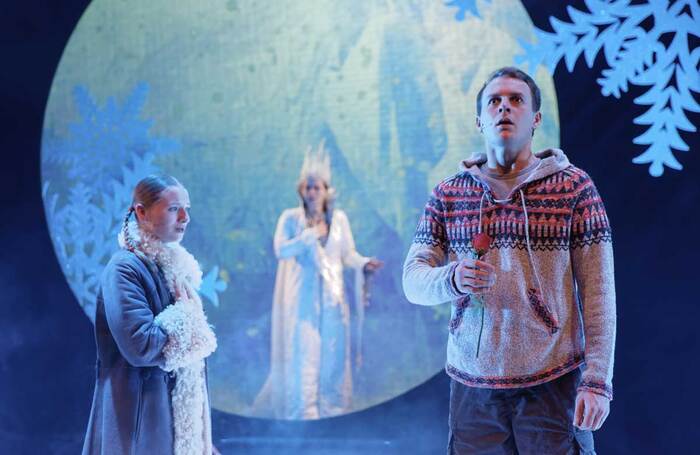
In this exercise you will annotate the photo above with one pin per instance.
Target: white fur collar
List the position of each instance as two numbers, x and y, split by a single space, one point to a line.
174 260
189 337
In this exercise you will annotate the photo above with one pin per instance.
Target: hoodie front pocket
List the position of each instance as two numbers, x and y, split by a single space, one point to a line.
460 306
543 313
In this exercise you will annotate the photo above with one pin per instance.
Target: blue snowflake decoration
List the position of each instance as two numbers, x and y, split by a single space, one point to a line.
107 151
212 285
632 38
464 7
107 137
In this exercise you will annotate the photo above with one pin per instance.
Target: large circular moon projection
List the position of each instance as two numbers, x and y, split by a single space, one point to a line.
226 96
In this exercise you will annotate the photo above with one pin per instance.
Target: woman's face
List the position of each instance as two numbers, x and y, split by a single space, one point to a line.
168 217
314 193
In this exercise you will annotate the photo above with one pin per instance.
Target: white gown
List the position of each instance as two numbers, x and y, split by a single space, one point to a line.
310 365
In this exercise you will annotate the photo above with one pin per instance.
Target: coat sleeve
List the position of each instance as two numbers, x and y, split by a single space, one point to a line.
427 275
129 316
592 262
190 337
288 245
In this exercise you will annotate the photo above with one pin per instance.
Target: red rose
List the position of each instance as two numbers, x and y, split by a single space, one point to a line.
481 243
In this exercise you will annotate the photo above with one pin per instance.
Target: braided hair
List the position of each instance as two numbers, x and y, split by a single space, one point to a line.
128 241
147 192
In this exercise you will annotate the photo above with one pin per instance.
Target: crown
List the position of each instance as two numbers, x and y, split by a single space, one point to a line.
317 163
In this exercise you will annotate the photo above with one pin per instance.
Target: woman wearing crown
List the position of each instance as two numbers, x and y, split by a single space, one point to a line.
310 360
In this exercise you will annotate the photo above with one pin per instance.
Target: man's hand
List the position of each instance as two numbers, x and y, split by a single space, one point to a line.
474 276
591 410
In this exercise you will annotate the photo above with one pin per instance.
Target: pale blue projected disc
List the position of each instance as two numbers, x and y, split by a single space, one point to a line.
226 96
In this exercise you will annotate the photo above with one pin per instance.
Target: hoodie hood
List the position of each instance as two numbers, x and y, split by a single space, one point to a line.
553 161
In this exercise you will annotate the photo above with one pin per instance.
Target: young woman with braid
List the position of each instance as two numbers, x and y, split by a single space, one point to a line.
152 335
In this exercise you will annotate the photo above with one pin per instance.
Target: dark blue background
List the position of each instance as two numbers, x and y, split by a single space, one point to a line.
46 343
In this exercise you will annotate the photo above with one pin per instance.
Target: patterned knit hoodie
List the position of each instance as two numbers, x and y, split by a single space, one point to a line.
552 307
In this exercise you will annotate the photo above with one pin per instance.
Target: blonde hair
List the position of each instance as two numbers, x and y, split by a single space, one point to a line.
146 193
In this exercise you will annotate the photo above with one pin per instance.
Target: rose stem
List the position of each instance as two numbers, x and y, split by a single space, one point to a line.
481 329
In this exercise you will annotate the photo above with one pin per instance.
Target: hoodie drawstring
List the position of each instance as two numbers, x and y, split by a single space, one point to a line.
481 209
529 249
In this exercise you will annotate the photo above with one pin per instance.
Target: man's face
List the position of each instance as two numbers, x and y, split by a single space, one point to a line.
507 118
168 217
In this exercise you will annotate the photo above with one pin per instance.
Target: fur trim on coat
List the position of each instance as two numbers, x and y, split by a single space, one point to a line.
190 339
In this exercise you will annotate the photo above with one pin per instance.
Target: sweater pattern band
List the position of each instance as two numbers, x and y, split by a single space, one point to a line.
564 211
514 381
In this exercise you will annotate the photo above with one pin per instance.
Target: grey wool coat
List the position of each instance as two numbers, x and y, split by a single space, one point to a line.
131 409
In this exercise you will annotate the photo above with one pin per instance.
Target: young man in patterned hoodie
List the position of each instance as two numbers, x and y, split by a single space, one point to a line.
532 329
